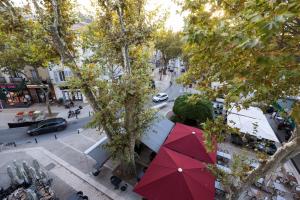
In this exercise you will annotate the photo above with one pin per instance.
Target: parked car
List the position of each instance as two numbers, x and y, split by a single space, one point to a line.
285 125
160 97
268 148
182 70
47 126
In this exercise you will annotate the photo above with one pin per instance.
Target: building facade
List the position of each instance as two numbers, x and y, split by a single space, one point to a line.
24 89
58 76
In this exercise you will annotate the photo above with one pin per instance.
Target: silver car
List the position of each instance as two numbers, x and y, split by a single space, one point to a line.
160 97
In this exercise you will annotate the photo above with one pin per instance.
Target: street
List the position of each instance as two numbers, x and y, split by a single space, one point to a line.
19 135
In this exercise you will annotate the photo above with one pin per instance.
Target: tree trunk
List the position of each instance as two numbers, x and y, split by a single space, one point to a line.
125 48
287 151
128 167
48 103
67 56
45 93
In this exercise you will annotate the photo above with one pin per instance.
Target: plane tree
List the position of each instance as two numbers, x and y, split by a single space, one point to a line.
117 38
252 49
169 44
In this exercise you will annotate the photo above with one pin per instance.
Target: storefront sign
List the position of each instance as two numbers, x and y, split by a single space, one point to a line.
8 86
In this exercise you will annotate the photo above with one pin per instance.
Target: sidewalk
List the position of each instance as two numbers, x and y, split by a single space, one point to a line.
7 115
71 169
86 111
163 84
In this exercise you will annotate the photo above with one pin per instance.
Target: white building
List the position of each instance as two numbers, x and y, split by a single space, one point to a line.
59 75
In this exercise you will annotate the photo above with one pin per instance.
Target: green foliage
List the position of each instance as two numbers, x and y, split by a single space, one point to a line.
176 118
66 19
121 100
169 43
252 48
23 44
192 108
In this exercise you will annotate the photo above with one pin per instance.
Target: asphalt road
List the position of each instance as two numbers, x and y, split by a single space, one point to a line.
19 135
173 91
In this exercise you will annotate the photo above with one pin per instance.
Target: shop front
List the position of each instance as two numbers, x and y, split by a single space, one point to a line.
14 95
71 94
38 92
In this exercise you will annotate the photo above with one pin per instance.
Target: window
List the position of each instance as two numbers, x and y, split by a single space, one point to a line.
33 74
68 73
55 76
62 76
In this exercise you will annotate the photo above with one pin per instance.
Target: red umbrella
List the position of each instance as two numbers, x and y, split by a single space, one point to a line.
174 176
189 141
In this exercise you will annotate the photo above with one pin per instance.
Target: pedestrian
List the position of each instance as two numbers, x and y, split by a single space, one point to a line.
25 101
71 103
171 83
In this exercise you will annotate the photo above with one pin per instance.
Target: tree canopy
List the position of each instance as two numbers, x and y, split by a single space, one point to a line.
193 109
169 43
118 38
24 42
252 49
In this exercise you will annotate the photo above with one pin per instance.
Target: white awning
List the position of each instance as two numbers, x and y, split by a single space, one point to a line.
251 121
157 133
97 151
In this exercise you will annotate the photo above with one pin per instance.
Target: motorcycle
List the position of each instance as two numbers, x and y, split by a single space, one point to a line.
73 113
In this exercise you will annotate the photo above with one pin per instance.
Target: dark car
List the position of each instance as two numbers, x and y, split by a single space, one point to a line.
236 139
47 126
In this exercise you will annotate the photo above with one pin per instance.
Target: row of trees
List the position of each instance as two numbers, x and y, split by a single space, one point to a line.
252 47
169 44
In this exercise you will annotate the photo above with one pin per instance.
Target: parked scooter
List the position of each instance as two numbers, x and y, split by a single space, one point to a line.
73 113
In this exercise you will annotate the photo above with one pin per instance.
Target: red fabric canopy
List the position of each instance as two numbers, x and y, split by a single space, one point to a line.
189 141
174 176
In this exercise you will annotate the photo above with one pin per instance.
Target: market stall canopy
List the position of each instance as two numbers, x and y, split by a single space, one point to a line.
157 133
189 141
174 176
251 121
